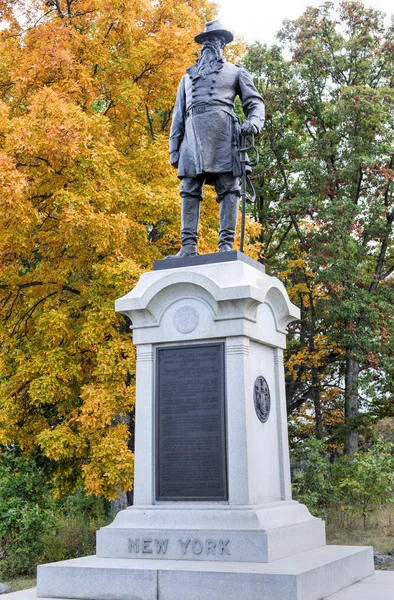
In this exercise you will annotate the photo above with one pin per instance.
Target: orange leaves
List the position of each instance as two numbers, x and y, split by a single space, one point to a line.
12 182
5 124
301 264
54 132
100 404
252 232
88 200
64 443
112 464
316 356
236 50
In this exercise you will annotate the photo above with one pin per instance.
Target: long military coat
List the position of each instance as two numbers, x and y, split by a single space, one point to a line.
205 129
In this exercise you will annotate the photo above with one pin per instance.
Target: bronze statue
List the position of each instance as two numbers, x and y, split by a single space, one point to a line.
205 138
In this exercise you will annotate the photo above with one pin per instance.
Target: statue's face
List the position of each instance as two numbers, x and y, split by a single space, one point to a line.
213 44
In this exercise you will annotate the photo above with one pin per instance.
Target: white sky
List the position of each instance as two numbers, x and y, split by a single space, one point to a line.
257 20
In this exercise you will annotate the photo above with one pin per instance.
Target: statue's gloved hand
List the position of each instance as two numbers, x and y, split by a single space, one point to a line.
174 159
248 128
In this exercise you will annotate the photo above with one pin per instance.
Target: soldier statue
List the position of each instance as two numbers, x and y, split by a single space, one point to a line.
206 133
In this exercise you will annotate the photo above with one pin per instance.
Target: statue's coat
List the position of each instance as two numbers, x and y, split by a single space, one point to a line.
205 129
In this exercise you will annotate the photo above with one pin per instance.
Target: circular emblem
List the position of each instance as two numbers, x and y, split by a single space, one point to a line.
262 399
186 319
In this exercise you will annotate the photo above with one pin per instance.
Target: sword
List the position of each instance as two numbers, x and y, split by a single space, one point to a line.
248 194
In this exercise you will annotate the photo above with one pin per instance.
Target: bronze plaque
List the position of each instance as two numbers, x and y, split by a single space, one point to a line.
190 423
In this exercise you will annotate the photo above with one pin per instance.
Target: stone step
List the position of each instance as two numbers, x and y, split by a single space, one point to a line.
379 586
211 544
311 575
30 594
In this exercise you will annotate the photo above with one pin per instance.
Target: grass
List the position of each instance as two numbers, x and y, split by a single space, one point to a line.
22 583
349 531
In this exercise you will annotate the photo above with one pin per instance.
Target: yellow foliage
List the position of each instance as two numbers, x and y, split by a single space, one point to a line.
87 201
316 357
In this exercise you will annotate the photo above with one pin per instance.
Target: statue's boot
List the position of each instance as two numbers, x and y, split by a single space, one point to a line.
228 221
190 215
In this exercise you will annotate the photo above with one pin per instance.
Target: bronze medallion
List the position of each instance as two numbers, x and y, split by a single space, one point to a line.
262 399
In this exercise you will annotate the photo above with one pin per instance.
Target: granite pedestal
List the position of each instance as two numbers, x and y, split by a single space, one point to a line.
246 538
379 586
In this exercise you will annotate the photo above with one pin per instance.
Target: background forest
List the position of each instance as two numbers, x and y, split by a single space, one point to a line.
88 200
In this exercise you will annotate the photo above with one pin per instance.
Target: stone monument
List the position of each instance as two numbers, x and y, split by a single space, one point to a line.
213 515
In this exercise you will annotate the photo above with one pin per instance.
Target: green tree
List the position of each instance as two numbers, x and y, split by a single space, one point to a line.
36 528
311 476
325 203
364 481
27 510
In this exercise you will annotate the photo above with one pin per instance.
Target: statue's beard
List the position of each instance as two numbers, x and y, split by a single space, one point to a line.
210 54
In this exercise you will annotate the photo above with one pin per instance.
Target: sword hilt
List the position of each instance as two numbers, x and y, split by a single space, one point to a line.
247 148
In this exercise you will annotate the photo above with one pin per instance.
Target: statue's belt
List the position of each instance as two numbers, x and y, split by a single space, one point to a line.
211 106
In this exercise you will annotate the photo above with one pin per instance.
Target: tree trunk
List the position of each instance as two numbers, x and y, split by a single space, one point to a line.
351 402
315 391
317 404
119 503
124 499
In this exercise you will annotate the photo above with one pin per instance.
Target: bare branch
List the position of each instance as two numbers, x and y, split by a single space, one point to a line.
58 9
111 102
150 122
30 312
387 273
382 254
283 238
358 185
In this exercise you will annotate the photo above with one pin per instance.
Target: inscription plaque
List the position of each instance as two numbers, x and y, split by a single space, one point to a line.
190 423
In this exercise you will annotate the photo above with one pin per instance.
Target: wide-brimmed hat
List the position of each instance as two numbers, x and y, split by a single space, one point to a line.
214 28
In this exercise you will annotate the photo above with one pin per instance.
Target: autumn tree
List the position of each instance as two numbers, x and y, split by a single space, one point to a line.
88 201
325 201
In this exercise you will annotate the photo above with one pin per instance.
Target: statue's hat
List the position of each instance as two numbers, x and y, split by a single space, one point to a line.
214 28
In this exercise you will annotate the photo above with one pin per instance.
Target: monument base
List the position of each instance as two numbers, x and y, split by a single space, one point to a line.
213 516
261 533
311 575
